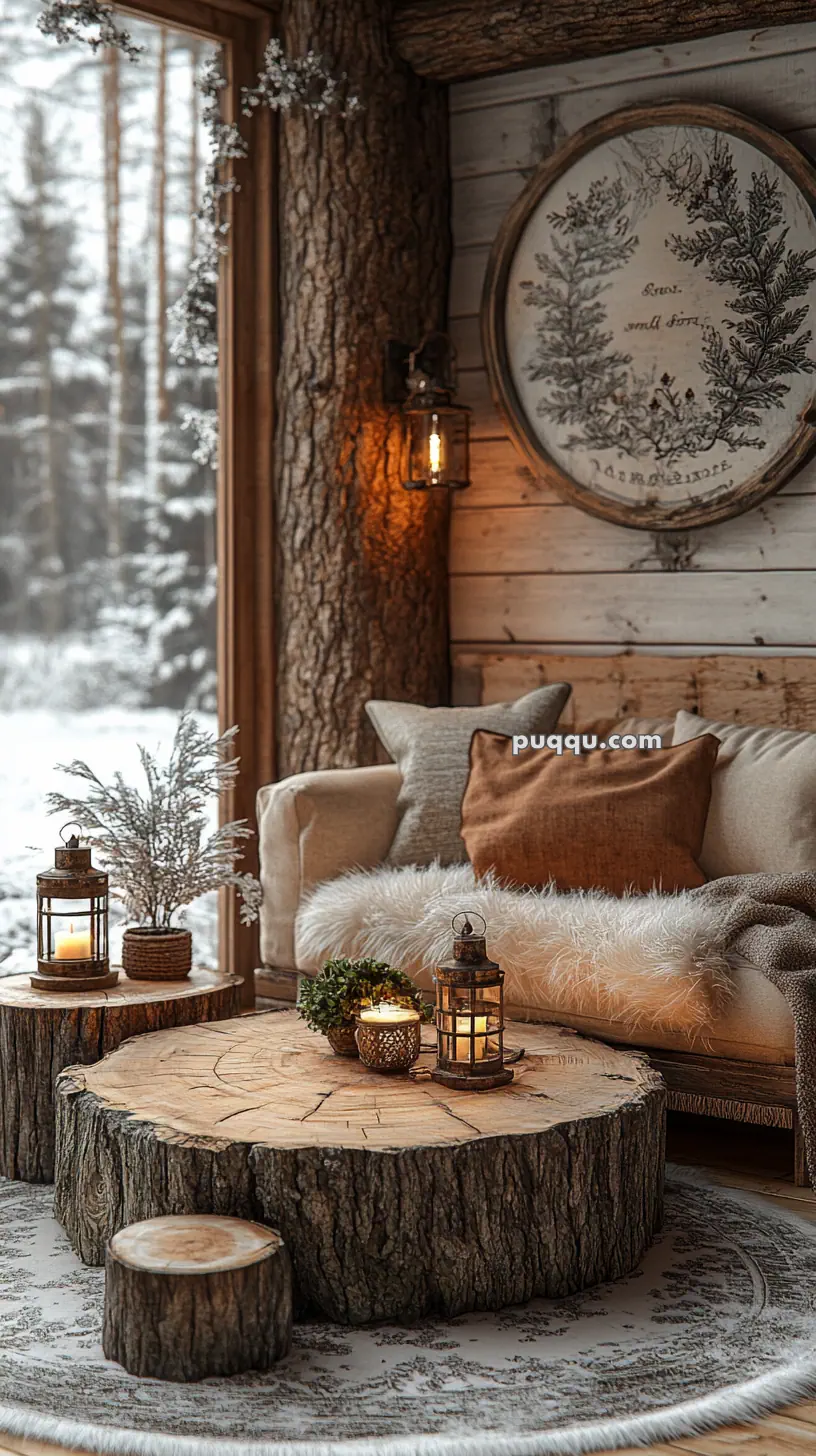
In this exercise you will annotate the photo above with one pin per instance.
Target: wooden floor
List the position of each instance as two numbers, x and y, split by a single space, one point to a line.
759 1159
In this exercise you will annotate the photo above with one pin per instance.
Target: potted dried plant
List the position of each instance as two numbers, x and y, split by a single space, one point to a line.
155 844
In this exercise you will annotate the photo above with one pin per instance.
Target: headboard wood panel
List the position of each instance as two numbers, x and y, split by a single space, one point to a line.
778 691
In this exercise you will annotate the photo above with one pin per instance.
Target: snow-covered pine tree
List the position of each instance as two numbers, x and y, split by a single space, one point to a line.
52 399
169 572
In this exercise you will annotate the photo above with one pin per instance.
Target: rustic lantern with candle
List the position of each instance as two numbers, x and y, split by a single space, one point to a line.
470 1014
388 1037
423 382
72 923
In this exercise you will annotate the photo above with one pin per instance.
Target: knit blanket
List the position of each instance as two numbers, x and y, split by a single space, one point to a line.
771 921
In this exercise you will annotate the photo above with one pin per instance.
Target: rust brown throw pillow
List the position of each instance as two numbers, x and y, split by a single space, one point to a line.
609 819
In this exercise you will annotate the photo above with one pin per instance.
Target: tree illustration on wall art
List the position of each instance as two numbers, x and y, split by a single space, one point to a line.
648 316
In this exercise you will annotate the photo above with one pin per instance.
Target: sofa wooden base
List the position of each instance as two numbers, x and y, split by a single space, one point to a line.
757 1092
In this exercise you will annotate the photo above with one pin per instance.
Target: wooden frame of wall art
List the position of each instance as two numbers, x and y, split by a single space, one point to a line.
648 316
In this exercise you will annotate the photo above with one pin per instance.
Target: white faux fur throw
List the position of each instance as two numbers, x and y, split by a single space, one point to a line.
650 960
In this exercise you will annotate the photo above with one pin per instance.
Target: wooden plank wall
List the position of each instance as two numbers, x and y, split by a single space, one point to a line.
531 575
732 688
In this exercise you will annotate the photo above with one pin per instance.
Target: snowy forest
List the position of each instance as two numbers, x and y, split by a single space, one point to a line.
107 540
107 518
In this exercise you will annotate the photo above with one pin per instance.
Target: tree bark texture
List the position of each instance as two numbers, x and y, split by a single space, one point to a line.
364 257
454 40
41 1032
395 1198
189 1298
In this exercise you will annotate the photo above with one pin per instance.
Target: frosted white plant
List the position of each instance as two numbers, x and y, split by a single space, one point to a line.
154 843
306 82
88 21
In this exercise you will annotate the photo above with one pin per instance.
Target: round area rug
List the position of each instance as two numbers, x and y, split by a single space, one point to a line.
718 1324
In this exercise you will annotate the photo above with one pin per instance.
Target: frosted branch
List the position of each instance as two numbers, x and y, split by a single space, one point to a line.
306 82
89 21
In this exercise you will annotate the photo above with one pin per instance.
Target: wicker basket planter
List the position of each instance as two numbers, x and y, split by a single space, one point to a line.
157 955
341 1040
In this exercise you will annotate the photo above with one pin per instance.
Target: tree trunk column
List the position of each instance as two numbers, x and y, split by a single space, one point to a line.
364 257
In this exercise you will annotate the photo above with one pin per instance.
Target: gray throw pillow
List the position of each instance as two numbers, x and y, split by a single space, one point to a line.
432 748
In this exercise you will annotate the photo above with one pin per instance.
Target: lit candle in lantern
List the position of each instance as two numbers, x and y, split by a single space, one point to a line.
72 945
469 1014
435 448
463 1042
388 1011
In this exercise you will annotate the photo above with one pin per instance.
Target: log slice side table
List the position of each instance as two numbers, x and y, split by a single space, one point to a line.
395 1198
41 1032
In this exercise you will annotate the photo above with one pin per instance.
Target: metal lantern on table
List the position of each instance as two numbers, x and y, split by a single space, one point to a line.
72 923
470 1014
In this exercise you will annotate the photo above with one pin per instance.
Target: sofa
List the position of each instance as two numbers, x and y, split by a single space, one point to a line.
314 827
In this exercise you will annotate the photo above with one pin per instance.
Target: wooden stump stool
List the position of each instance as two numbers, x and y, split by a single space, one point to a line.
41 1032
192 1296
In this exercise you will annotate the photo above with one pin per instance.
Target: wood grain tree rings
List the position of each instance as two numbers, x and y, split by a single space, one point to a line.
394 1198
197 1296
43 1031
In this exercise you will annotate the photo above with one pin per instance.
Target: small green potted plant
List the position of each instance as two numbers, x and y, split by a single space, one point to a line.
156 846
330 1002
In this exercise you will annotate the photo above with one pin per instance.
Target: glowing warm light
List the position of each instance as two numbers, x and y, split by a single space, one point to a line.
388 1011
72 945
463 1042
435 449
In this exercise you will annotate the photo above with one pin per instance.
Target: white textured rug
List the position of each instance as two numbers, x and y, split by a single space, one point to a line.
649 960
718 1324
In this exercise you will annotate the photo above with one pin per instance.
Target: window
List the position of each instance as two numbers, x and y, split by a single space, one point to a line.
115 538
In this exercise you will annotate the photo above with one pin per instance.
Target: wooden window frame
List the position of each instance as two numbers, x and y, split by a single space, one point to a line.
247 346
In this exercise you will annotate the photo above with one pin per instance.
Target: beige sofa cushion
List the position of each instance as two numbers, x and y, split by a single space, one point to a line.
755 1026
663 727
431 747
312 827
762 817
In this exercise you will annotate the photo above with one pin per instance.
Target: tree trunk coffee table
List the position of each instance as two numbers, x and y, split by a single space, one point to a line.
43 1031
395 1198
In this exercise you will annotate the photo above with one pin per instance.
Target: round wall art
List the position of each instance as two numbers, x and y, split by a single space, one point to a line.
648 316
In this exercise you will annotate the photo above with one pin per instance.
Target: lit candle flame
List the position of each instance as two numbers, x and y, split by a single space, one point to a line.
435 450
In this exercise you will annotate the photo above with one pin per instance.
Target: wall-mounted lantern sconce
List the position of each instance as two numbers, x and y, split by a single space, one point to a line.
423 382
